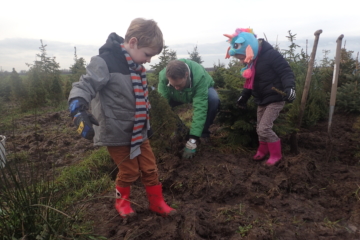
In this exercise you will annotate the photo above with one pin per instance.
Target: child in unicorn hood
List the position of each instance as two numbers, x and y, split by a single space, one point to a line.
265 69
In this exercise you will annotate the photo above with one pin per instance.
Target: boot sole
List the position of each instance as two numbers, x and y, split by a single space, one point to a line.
273 164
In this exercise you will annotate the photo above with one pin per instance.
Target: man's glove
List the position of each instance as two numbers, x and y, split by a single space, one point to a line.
290 95
190 149
241 102
82 119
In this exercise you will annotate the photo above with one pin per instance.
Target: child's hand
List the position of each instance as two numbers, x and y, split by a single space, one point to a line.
241 103
290 95
77 105
83 122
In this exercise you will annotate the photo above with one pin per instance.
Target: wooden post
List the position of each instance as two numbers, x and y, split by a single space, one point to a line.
335 80
333 95
293 137
308 77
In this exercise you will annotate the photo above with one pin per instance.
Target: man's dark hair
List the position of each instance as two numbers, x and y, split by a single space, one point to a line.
176 69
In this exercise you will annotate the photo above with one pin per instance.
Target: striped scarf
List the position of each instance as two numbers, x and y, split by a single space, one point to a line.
142 105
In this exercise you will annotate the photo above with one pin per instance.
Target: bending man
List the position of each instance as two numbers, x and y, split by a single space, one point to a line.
185 81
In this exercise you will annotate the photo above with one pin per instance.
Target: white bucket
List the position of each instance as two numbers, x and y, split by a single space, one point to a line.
2 151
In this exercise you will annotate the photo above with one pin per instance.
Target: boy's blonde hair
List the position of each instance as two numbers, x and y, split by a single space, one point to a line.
146 32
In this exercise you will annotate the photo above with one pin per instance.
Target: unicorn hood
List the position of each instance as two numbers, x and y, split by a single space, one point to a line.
244 42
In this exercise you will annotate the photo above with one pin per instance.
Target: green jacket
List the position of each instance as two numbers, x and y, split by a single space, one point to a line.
197 93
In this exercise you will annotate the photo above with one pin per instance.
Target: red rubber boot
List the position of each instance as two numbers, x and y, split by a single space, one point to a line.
122 203
262 151
275 153
156 201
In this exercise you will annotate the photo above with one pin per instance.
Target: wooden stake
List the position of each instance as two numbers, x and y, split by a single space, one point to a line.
293 138
335 80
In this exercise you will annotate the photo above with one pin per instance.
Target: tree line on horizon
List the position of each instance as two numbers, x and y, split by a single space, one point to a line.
44 85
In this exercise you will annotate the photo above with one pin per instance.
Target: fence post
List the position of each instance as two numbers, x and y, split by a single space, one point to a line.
335 80
293 138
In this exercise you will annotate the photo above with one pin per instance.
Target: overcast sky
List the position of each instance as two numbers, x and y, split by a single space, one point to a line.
63 25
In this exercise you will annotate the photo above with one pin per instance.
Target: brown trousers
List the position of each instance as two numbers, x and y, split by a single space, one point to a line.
266 115
143 165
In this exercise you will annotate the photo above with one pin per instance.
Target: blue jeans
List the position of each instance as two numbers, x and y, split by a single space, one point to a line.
213 107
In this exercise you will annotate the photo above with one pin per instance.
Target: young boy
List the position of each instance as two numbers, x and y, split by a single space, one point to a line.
264 69
115 84
186 81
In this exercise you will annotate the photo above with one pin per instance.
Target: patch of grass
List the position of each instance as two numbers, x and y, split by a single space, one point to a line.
12 113
175 205
34 206
331 224
297 222
270 225
21 156
177 185
232 213
30 207
244 230
89 177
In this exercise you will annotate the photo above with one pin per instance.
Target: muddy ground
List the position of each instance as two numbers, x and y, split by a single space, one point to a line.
224 196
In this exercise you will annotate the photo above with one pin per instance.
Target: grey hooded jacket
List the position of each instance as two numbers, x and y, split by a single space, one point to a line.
108 86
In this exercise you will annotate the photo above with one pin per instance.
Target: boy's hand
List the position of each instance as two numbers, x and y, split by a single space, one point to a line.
190 149
82 119
83 122
290 95
77 105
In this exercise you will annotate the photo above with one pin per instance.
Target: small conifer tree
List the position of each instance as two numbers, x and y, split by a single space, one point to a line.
77 70
5 86
37 96
18 91
165 57
218 75
348 99
163 124
195 56
47 71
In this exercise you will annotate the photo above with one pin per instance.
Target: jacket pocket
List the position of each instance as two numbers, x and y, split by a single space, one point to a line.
120 114
119 124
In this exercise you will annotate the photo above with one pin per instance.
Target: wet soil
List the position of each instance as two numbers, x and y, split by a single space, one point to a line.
312 195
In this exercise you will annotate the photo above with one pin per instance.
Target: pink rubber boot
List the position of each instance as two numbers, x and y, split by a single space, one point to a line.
122 203
275 153
262 151
156 201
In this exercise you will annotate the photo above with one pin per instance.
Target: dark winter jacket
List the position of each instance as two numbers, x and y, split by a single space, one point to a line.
108 86
271 70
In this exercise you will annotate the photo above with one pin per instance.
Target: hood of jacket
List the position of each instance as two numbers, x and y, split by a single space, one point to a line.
112 44
265 46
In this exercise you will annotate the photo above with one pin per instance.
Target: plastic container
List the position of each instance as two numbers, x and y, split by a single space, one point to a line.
2 151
